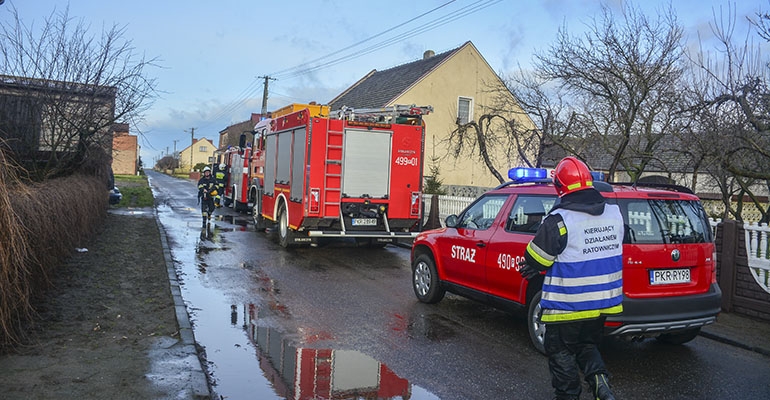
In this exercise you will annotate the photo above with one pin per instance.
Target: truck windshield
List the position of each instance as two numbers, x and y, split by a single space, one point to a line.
665 221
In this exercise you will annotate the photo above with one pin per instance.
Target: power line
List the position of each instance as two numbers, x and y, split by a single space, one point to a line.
307 63
307 67
443 20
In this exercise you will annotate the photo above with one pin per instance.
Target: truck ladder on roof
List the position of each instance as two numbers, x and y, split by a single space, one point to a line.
390 111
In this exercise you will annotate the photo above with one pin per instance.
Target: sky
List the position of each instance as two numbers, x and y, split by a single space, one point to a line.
211 56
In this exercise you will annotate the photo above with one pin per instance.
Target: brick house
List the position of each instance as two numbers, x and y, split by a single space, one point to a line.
231 135
125 151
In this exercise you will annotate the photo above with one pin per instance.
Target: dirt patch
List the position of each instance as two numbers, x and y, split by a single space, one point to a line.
108 308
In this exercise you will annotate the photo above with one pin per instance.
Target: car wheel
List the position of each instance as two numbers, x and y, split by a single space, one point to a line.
425 280
285 234
679 337
535 327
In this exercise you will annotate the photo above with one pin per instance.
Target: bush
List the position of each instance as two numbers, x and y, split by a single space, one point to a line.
42 223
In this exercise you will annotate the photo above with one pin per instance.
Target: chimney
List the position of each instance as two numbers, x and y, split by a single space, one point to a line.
428 54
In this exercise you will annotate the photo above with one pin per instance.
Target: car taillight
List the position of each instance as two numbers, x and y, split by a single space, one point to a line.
714 267
415 208
315 203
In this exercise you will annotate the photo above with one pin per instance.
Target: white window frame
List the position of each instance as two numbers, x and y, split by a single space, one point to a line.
203 149
460 101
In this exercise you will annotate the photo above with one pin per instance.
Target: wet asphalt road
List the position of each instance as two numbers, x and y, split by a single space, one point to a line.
339 319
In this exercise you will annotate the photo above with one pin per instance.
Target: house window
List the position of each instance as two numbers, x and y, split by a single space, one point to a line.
464 110
202 149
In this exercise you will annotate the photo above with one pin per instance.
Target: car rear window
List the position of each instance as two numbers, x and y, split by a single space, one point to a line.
664 221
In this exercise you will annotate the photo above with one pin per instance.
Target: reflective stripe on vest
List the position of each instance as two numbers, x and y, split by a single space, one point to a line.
586 280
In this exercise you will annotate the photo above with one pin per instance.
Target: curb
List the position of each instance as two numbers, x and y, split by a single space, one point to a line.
733 342
199 385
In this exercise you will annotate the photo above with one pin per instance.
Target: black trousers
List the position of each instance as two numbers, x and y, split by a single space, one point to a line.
572 347
207 207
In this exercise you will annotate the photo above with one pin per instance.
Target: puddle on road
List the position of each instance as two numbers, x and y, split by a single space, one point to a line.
139 212
313 373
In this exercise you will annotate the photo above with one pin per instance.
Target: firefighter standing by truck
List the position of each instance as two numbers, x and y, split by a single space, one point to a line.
221 177
207 190
580 245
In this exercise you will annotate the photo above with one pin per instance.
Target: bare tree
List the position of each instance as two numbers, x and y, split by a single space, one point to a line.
622 78
552 117
498 136
62 89
730 88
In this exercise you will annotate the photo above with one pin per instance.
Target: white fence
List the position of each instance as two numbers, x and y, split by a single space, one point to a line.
758 254
757 246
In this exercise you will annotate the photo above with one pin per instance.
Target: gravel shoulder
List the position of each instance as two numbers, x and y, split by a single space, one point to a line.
106 326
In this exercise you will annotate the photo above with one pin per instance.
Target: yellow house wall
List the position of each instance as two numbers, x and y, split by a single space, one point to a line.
198 156
465 74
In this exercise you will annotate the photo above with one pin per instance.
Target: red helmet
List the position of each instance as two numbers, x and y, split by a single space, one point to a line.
571 175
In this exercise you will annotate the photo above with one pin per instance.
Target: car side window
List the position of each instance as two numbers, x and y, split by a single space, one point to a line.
528 212
481 214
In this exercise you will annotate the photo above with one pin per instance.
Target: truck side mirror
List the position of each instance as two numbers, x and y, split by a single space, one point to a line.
242 141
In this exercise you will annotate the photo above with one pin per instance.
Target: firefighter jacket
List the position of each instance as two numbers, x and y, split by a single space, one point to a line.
208 183
220 176
580 245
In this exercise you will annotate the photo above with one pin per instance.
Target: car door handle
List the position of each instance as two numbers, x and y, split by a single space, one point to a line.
481 244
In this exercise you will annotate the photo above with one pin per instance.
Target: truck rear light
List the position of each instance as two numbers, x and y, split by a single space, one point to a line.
714 267
612 324
415 207
315 202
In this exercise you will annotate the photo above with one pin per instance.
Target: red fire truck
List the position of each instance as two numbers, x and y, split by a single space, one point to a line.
355 174
237 161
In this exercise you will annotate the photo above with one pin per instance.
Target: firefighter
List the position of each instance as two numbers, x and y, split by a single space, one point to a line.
207 191
220 176
579 245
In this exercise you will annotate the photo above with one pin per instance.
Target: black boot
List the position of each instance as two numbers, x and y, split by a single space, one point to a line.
601 387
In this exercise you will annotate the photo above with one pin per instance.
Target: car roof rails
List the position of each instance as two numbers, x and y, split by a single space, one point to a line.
666 186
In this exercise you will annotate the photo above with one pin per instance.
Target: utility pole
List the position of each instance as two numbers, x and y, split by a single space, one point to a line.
264 95
192 142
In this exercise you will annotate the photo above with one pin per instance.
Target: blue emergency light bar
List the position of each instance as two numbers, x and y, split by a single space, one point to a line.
521 174
524 175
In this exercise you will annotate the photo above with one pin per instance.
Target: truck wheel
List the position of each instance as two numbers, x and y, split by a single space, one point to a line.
534 326
285 234
256 214
425 280
679 337
231 199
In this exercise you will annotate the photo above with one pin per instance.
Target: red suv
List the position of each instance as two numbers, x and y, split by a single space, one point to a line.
669 260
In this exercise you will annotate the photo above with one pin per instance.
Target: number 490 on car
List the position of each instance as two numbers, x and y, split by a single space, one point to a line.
507 261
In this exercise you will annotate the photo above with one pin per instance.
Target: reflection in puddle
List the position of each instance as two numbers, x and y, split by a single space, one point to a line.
308 373
234 219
